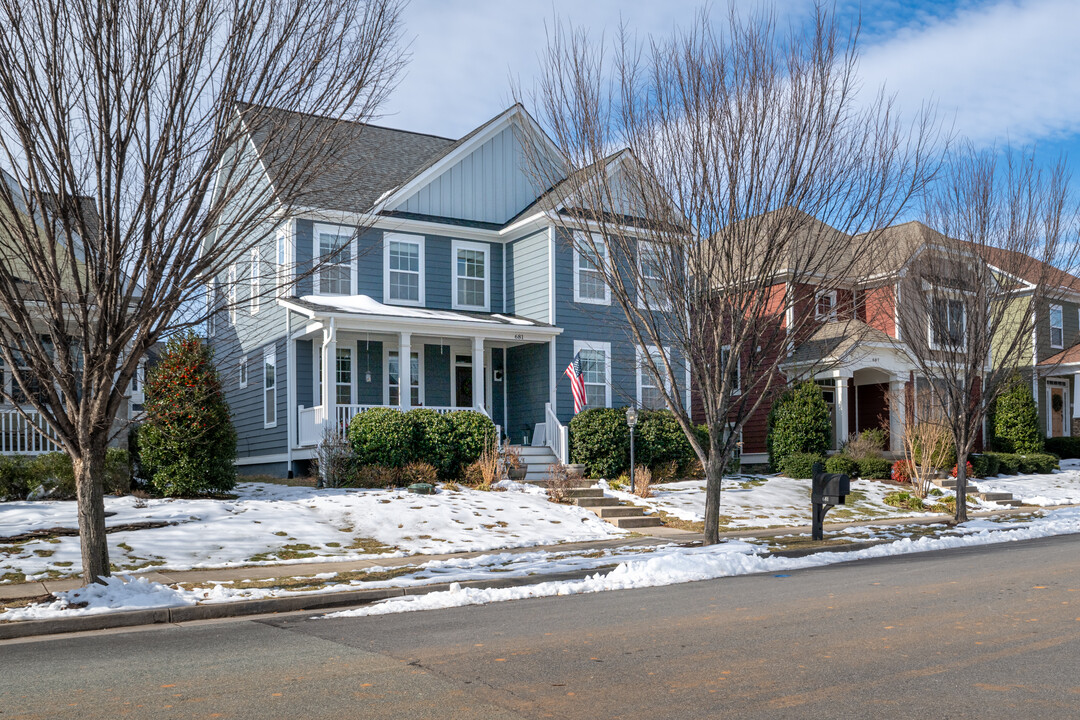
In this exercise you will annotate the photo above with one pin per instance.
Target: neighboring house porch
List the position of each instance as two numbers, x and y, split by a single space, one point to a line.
1056 396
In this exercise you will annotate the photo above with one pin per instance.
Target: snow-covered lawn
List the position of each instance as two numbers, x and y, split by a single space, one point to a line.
773 501
273 523
1059 488
634 567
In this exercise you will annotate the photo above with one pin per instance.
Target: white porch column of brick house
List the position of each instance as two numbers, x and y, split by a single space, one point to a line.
897 414
1076 395
842 420
405 379
329 368
478 372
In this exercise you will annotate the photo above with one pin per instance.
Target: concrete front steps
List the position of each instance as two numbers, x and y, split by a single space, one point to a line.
1002 498
536 461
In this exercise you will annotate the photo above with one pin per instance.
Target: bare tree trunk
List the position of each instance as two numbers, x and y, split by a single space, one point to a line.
961 485
89 484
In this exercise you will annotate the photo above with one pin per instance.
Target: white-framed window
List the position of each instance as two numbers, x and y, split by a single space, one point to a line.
735 374
232 294
589 264
650 393
1057 327
242 372
596 371
344 377
471 281
393 378
138 382
948 323
403 269
825 305
256 280
333 257
281 259
269 387
211 307
650 267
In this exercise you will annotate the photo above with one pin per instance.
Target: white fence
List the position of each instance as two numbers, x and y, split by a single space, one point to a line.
19 437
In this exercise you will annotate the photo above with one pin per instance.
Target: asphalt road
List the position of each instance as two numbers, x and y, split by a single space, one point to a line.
989 632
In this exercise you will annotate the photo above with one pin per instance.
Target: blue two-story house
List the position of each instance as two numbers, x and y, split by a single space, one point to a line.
439 281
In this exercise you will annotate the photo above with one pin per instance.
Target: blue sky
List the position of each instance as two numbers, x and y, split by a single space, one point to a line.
1000 71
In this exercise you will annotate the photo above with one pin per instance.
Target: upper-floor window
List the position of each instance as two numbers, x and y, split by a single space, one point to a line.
403 263
825 305
947 323
211 307
232 294
282 261
589 262
471 287
650 391
333 255
596 371
1057 327
734 373
242 371
651 293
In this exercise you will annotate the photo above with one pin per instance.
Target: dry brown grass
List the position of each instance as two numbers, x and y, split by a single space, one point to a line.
643 480
558 483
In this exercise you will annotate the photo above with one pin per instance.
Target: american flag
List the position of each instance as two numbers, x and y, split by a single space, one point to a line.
577 383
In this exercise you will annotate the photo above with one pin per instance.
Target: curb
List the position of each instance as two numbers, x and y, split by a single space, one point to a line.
294 603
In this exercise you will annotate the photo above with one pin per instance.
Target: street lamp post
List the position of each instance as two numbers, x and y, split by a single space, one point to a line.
631 420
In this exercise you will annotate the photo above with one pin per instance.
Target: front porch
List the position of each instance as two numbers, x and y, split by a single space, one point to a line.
437 360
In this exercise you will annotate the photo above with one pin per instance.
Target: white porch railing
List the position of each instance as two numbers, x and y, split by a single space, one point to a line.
309 426
556 435
18 437
312 420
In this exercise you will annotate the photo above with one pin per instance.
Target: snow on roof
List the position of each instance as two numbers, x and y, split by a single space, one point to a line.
366 305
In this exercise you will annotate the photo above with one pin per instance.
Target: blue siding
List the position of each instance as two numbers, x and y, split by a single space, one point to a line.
527 383
437 269
498 388
369 264
369 356
303 237
527 277
247 408
305 374
437 375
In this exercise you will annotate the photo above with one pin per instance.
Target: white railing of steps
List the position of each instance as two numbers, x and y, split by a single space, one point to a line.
311 424
556 435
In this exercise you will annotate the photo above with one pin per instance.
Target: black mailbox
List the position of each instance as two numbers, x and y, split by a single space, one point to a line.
826 490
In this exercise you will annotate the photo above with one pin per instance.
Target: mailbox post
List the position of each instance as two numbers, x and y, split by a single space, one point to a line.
827 491
631 420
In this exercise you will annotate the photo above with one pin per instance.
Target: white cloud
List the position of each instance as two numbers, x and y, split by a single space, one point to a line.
1005 72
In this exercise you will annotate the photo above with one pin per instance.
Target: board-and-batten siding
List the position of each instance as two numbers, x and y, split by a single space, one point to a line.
527 270
489 184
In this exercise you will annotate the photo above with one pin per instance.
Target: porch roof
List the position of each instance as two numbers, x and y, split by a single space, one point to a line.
372 314
1067 359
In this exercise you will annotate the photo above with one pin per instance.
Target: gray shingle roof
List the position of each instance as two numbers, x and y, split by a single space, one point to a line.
358 162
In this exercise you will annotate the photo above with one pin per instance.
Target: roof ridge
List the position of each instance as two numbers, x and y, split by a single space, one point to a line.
322 116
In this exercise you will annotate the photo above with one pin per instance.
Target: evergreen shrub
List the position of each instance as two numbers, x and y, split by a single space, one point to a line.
875 468
600 440
841 463
1016 421
799 422
800 465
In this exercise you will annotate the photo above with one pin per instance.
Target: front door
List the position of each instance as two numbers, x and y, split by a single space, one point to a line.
1057 411
463 386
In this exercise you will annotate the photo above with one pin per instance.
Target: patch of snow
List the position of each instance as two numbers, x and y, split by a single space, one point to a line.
117 594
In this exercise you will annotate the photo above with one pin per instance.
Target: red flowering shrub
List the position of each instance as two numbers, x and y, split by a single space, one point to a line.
901 471
187 444
970 470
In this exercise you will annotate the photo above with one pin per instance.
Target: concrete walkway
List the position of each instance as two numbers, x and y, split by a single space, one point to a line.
646 536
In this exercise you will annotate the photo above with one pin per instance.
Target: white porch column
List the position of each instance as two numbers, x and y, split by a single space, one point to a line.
1076 395
405 378
842 420
329 376
478 372
897 415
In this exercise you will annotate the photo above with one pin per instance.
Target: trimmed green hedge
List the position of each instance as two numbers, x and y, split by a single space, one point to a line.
1016 421
799 422
985 464
800 465
600 440
875 468
1008 463
1064 447
1038 463
388 437
842 464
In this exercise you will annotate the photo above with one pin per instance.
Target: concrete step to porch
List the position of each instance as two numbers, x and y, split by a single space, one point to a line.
949 483
591 502
585 492
636 522
618 511
999 497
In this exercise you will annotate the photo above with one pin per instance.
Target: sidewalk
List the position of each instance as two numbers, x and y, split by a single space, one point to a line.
646 537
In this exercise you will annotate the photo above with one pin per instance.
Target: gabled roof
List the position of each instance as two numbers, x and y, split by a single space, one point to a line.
837 340
1027 268
368 160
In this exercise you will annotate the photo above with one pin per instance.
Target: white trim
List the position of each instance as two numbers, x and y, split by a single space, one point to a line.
232 294
242 372
597 241
262 459
455 247
639 368
831 315
339 231
283 275
1050 317
269 358
421 241
639 293
551 282
604 347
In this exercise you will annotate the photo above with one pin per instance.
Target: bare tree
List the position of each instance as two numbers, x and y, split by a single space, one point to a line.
1003 239
750 164
125 131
